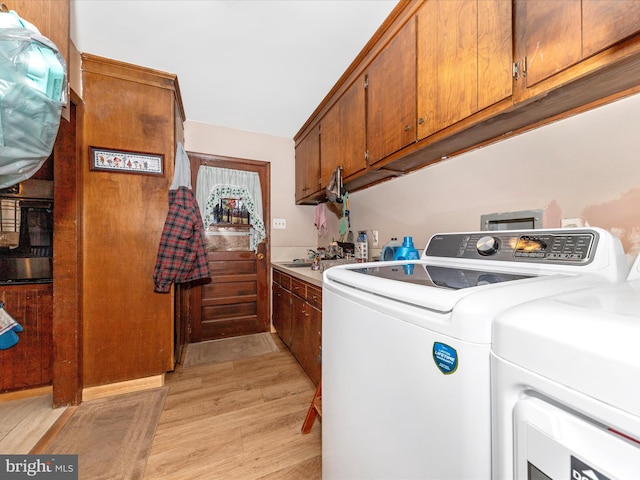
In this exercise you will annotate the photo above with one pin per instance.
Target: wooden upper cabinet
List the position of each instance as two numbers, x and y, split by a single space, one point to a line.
343 134
464 57
308 164
391 95
555 38
605 23
549 37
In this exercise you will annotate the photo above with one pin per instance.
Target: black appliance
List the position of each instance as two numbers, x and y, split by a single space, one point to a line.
26 238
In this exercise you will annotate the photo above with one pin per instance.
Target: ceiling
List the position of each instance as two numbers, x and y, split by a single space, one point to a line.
256 65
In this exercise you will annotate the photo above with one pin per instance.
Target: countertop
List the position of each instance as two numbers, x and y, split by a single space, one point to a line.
305 273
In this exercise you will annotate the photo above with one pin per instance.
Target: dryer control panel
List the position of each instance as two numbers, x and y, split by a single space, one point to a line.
537 246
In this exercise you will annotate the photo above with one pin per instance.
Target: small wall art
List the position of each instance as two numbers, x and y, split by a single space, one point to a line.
104 159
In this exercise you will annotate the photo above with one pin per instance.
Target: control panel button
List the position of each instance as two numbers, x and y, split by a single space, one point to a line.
487 245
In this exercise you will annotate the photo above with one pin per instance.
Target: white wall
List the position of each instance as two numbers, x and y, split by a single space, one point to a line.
584 166
279 152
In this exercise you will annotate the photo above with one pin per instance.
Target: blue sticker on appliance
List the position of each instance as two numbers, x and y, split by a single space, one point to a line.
446 358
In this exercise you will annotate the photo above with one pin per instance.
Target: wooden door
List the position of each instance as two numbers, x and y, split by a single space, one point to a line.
391 96
237 300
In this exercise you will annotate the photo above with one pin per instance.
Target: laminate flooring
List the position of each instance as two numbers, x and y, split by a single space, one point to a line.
237 420
23 422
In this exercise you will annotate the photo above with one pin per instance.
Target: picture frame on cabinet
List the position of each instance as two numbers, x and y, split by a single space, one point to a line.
110 160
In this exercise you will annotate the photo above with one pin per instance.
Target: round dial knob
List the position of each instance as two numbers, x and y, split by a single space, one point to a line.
487 245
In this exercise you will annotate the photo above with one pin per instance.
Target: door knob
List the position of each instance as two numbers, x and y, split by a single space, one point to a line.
260 256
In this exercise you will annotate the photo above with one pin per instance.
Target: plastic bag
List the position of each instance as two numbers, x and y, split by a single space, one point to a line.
32 94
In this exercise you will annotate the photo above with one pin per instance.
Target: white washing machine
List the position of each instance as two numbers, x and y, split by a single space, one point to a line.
566 386
406 345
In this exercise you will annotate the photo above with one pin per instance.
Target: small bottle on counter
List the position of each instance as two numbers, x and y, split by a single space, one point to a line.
362 247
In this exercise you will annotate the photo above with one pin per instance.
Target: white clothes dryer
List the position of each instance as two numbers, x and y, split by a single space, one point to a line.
566 386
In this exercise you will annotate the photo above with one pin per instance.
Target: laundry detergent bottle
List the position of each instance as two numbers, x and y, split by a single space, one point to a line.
407 251
389 250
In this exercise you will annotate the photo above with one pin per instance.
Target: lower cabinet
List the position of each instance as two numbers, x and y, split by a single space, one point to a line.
28 364
297 317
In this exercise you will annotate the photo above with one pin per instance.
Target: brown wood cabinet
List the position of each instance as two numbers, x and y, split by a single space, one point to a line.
557 40
308 165
486 69
343 134
128 329
391 96
297 317
464 60
281 309
29 363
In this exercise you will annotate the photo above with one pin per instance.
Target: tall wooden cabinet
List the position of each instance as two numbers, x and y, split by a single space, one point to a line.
128 329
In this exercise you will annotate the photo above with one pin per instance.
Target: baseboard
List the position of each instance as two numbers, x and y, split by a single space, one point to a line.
101 391
28 393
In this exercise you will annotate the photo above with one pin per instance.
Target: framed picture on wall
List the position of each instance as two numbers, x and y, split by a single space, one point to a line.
105 159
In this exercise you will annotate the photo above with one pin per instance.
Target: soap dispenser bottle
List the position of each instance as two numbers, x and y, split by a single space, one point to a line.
407 251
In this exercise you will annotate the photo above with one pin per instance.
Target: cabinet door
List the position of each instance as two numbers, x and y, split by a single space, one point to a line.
306 329
29 363
343 134
312 336
308 165
549 37
555 38
281 316
598 18
464 57
391 95
297 345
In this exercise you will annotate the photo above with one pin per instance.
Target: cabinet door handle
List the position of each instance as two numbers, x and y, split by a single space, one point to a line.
407 128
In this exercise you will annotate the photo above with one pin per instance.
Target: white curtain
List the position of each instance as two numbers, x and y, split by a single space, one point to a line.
214 183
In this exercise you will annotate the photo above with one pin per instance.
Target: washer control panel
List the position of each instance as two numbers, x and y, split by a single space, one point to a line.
546 246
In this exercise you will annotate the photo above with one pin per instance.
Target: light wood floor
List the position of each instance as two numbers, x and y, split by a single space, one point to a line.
234 421
237 420
24 421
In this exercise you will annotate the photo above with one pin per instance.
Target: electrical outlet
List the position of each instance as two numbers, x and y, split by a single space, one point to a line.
374 237
279 223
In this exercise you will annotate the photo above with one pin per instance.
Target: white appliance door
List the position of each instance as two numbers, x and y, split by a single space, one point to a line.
400 401
553 443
